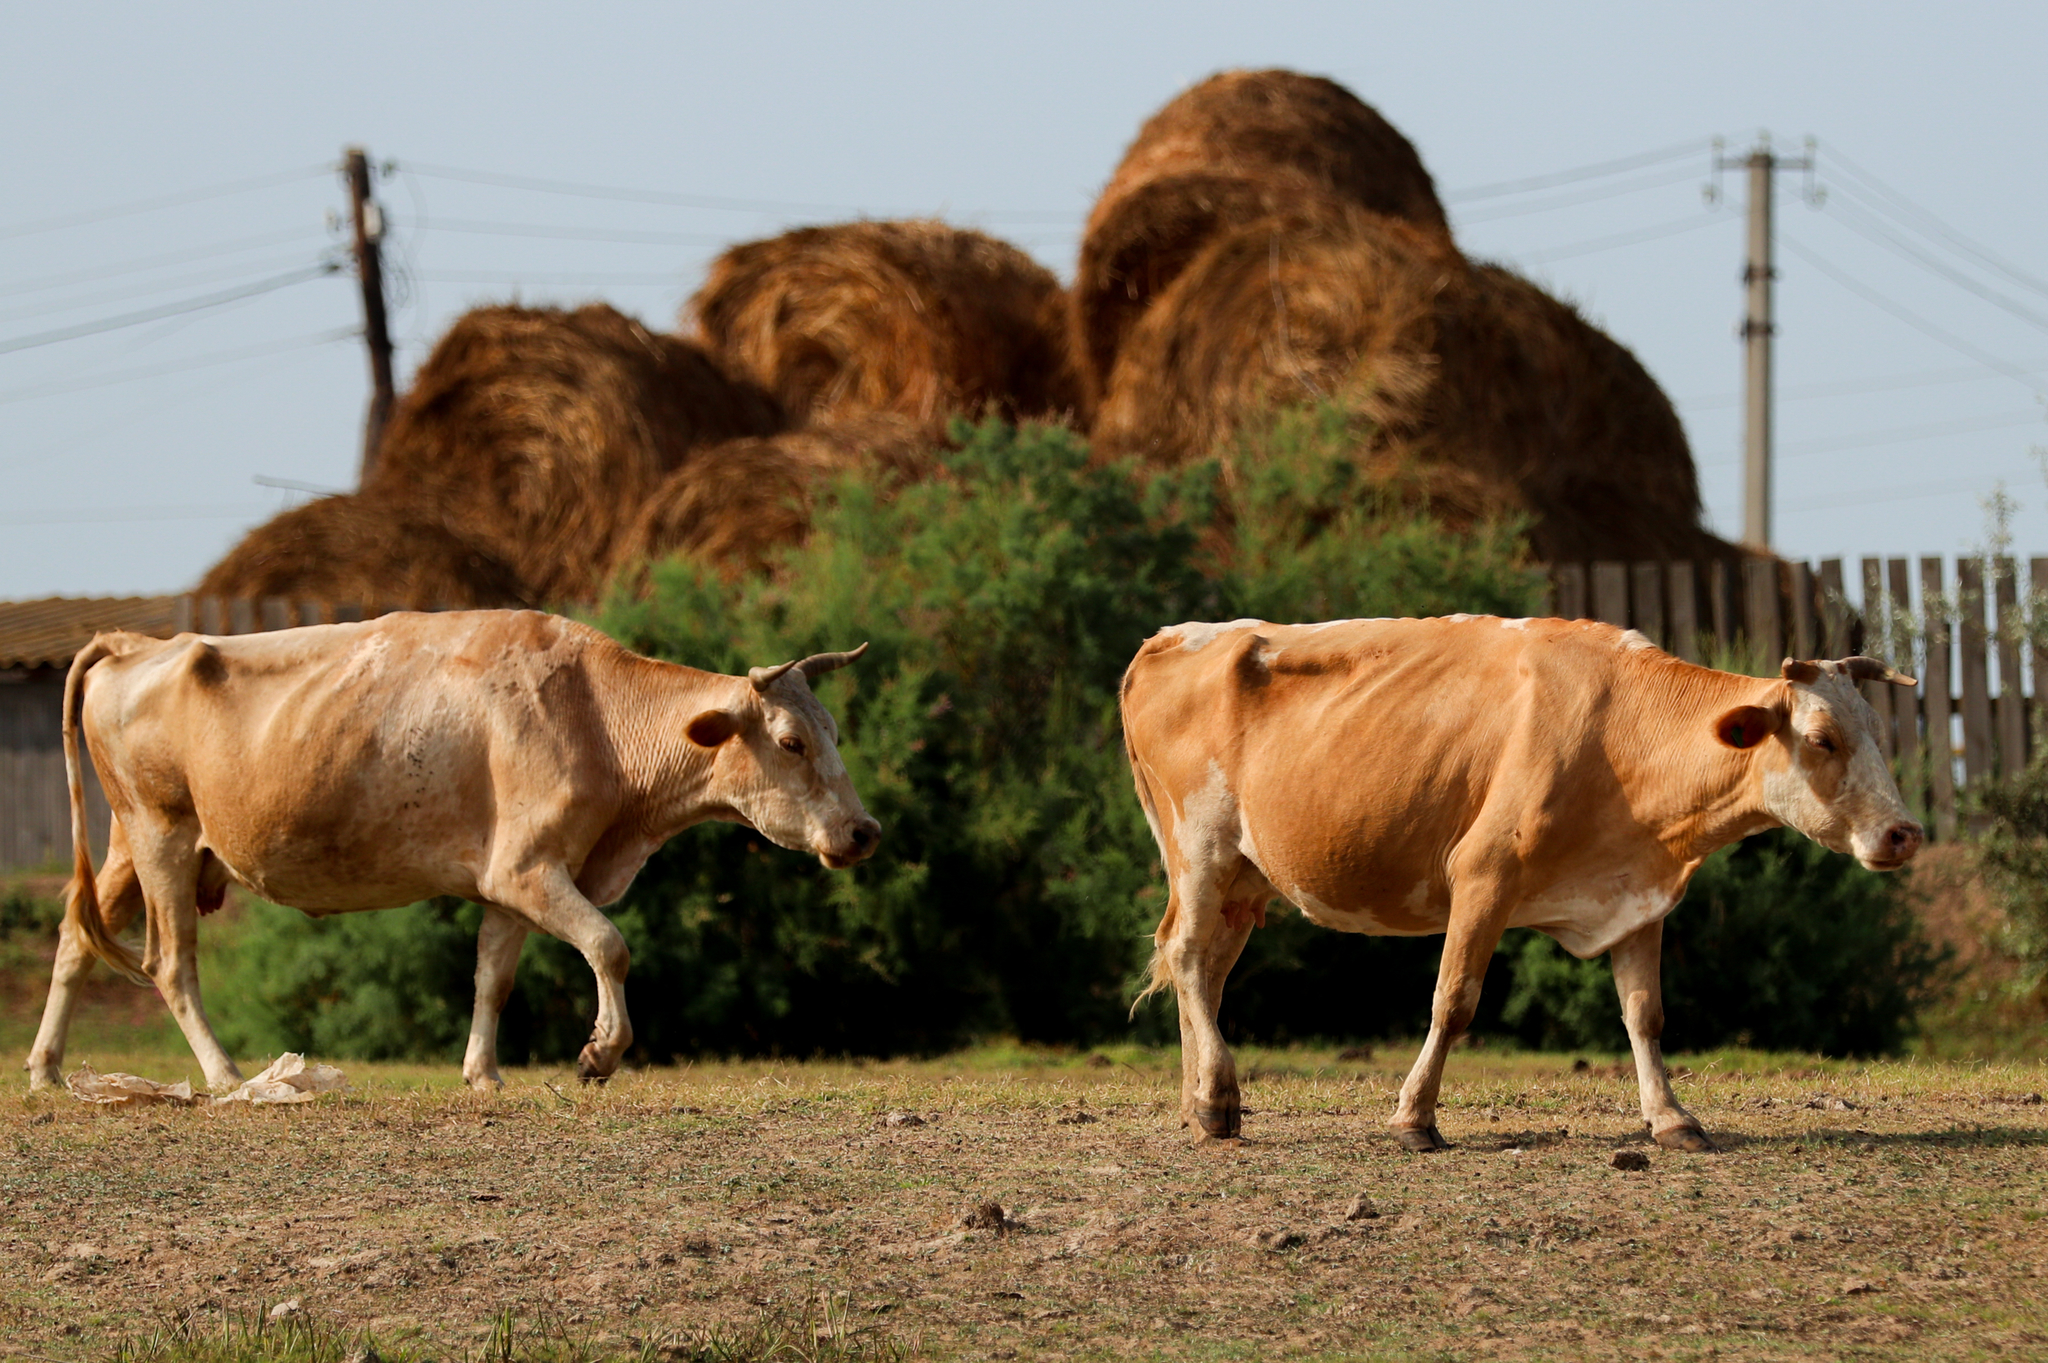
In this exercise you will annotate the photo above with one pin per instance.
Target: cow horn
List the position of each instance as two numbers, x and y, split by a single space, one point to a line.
818 664
765 677
1870 669
1806 674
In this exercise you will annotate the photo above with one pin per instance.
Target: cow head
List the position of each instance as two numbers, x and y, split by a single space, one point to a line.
782 772
1823 771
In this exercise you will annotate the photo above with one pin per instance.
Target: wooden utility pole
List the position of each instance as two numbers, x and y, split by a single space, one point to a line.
1757 330
369 225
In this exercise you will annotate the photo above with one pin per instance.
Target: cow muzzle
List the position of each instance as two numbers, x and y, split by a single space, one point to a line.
861 840
1897 846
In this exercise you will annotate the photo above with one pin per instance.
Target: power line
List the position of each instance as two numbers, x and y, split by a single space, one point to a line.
1905 211
717 203
142 290
1907 434
169 309
1842 388
212 511
628 236
153 262
165 201
1876 232
1946 487
1906 315
1589 172
626 277
1657 181
178 366
1690 222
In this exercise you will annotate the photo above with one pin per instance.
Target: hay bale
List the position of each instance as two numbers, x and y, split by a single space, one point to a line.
354 548
732 504
1238 147
1469 379
536 432
915 319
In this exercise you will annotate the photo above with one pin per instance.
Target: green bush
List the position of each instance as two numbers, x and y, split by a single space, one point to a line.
2013 855
1015 891
1778 943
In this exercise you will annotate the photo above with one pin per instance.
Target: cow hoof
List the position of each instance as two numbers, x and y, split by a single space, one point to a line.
1218 1123
1690 1139
1423 1140
590 1067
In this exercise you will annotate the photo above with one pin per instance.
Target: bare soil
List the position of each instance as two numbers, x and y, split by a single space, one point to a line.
1007 1203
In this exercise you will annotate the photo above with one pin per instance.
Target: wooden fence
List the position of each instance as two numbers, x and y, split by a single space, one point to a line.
1974 630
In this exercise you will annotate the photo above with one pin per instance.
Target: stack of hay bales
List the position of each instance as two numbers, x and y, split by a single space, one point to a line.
914 319
1269 239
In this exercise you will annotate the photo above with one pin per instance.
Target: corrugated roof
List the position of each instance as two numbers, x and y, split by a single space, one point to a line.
48 632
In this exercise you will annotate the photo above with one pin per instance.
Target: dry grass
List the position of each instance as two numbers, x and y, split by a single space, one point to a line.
913 319
1858 1211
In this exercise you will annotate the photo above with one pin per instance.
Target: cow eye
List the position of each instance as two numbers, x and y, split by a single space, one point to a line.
1821 741
794 746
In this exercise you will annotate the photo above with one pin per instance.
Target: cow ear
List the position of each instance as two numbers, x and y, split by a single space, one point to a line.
712 728
1747 725
1805 673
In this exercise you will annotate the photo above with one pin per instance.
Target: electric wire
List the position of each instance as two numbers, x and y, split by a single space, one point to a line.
1675 227
1872 230
1557 201
1904 314
104 324
1596 170
166 201
1905 211
157 261
243 270
627 236
1843 388
209 511
207 361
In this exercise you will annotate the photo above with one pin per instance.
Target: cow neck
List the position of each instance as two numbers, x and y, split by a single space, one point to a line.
1697 793
647 709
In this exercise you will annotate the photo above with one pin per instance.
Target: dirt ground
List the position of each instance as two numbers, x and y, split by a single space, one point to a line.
1855 1211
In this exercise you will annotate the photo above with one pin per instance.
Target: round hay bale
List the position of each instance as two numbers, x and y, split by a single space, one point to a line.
537 431
354 548
732 504
915 319
1451 368
1240 146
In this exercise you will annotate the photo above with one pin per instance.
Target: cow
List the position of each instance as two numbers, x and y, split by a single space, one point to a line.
1466 775
517 759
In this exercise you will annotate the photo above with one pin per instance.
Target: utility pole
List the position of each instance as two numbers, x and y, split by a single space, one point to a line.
1757 330
369 234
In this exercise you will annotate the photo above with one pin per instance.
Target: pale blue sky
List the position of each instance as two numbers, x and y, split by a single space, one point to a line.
127 457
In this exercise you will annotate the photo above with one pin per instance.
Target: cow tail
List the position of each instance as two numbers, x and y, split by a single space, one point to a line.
81 896
1159 977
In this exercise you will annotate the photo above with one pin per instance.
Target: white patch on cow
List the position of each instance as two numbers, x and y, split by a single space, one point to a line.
1461 618
365 662
1332 624
1208 822
1587 922
1269 654
1316 910
1418 897
1634 639
1197 635
1521 623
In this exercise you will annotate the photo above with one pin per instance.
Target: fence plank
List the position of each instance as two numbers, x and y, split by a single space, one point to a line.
212 620
1720 604
310 613
1646 591
1571 590
1760 609
2012 702
1610 593
1876 692
184 615
1802 640
1905 700
276 613
1834 611
1934 686
2037 574
1974 669
1685 610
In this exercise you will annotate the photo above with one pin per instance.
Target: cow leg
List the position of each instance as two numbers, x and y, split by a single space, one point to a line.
167 862
1205 943
1638 978
498 944
120 897
1475 930
548 899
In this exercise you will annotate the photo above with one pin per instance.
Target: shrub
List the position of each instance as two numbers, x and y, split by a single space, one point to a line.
2013 854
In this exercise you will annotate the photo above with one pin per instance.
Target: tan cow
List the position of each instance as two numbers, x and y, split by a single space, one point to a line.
1464 776
519 760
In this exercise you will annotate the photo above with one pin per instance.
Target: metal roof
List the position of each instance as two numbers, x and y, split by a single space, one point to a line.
46 633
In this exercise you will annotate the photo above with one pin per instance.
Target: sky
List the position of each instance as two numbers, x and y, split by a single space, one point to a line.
170 353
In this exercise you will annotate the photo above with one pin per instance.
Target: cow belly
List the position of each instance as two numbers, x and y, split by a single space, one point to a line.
1587 920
